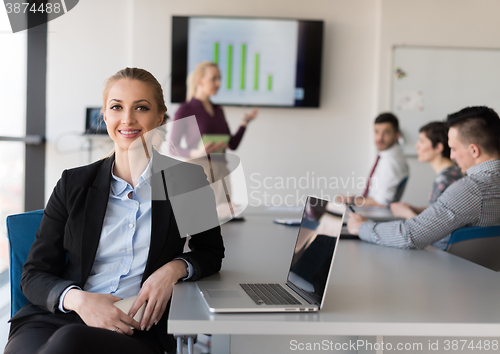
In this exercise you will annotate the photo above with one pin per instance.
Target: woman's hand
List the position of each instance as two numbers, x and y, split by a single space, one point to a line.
402 210
248 117
157 290
97 310
206 149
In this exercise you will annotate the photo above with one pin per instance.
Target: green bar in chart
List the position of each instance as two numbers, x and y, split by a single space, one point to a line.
269 82
256 73
216 52
243 62
229 65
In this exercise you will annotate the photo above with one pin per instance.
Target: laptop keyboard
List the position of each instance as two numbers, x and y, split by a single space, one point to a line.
269 294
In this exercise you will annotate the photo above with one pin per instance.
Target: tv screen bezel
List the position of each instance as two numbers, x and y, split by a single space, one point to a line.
310 51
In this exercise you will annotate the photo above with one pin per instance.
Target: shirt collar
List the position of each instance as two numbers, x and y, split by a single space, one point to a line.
390 151
119 185
146 175
490 165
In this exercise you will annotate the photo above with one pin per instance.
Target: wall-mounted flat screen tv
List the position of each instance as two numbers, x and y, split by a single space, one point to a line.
263 62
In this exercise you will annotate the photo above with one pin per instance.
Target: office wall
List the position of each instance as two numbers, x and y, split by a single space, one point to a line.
99 37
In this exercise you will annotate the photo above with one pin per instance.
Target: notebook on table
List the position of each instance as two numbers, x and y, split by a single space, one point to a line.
304 288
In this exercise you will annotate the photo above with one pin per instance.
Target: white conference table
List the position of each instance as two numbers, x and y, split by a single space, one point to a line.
373 290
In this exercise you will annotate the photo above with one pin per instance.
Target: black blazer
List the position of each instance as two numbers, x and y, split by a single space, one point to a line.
66 242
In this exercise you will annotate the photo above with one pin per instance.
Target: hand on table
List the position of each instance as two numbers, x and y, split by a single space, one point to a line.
97 310
354 223
402 210
157 290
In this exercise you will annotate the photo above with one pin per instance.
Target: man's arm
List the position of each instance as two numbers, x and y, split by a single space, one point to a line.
458 206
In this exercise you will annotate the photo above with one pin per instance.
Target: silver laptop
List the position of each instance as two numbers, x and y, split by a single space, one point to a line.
305 287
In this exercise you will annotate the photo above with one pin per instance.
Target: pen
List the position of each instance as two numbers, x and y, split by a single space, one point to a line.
350 207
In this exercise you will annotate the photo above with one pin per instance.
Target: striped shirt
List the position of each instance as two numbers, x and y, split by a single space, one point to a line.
473 200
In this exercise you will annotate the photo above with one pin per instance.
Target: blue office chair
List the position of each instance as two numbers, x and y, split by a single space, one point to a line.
400 189
21 230
480 245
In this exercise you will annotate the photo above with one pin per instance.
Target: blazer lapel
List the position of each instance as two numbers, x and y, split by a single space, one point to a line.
95 210
161 212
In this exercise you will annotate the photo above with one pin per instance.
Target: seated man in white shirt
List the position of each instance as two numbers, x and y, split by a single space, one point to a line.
390 167
474 200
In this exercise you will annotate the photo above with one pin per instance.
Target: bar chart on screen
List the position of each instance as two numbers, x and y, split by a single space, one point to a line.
256 57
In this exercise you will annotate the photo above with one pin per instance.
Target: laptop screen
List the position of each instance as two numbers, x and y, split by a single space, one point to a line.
94 123
318 234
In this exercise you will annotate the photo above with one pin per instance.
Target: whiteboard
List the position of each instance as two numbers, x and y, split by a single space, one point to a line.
428 83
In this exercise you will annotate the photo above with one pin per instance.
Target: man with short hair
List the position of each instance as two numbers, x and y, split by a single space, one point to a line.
390 167
474 200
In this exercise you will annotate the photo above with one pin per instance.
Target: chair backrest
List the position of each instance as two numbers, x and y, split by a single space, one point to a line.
480 245
400 189
21 230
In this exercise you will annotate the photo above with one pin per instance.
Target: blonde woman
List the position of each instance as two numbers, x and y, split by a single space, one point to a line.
102 239
203 83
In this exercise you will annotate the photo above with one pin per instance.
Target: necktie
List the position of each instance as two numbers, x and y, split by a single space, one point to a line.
365 194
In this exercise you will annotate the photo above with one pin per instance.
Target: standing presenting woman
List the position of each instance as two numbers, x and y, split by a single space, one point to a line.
202 83
432 147
106 235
